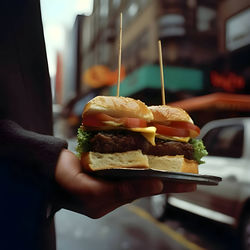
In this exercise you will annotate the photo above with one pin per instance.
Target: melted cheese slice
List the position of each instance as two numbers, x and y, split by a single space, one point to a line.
173 138
148 133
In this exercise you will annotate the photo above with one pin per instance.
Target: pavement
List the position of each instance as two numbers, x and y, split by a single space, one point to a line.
128 227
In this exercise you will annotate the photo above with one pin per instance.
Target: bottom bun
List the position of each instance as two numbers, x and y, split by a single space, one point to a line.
92 161
173 164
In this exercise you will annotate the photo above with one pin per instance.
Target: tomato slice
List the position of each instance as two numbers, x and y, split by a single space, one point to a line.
193 129
135 123
185 125
178 128
91 121
98 120
171 131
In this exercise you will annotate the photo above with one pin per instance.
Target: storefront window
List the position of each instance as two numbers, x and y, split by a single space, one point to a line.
116 4
172 25
238 30
104 8
133 9
205 18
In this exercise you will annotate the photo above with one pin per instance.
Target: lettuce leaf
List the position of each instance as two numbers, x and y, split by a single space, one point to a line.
199 150
83 138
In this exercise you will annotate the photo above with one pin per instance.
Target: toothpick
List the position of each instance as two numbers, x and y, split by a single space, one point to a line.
120 58
162 76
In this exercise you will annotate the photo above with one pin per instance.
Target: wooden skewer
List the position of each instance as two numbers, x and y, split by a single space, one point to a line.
162 75
120 58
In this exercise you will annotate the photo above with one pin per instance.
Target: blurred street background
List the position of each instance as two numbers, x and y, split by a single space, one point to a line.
206 57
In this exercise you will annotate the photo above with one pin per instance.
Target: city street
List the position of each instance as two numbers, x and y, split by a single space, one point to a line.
129 227
132 227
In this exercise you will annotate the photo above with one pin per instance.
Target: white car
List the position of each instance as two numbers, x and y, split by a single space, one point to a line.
228 144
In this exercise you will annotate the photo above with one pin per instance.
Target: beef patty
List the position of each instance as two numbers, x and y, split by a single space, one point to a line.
116 141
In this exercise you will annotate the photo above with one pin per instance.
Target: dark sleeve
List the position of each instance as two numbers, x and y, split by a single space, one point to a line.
27 147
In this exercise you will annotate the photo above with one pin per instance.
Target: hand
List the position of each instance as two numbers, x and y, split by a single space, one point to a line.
95 197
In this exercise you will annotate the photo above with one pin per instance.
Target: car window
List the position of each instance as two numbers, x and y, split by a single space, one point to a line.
226 141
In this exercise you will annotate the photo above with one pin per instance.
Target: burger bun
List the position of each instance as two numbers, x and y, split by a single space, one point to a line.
92 161
118 107
173 164
166 113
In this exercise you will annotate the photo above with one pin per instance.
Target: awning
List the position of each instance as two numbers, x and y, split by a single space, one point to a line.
222 101
148 77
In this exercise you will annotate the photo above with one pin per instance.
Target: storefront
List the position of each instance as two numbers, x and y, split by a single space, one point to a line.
145 84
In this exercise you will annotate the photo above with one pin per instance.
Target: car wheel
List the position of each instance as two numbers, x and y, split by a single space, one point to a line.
245 233
159 206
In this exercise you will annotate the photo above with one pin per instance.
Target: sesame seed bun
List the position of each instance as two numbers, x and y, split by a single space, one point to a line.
118 107
165 113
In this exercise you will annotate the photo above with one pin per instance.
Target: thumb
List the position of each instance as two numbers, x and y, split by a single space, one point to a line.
127 191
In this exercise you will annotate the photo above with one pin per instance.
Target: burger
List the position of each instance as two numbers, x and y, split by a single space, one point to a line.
113 133
176 148
121 132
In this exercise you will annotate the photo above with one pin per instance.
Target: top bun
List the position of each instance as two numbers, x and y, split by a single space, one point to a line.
118 107
163 113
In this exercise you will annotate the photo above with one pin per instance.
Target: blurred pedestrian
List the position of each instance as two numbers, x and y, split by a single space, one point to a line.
38 174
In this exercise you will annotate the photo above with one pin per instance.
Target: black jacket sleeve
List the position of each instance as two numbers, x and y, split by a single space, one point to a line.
25 92
27 147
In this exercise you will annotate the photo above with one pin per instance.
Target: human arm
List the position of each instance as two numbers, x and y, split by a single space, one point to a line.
29 148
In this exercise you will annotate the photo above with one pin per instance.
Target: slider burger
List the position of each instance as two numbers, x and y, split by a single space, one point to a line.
114 132
121 132
175 148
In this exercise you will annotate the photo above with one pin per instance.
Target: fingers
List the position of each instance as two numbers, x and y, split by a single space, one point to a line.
178 187
127 191
67 167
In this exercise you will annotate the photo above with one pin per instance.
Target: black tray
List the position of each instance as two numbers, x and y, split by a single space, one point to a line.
119 174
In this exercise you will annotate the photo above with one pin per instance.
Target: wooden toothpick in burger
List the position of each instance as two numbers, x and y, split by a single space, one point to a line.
162 74
119 58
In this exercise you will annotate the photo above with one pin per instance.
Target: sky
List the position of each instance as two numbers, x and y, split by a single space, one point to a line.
58 17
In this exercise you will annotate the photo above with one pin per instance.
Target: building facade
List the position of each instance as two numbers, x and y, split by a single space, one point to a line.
187 30
194 33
